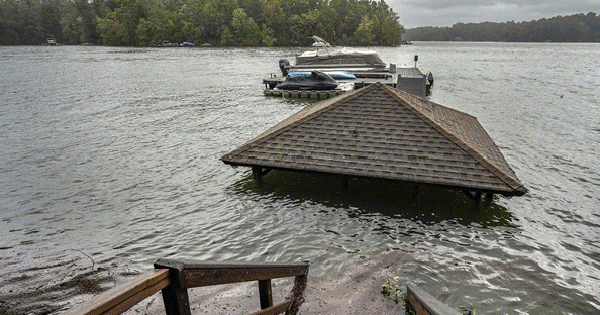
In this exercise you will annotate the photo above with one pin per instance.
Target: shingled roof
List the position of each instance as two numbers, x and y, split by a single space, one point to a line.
382 132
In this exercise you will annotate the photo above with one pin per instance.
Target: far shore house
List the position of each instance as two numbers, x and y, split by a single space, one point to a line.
381 132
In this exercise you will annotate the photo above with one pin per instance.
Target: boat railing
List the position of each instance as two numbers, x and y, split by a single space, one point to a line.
175 277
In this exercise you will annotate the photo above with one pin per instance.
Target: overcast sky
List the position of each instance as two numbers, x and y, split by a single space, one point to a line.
415 13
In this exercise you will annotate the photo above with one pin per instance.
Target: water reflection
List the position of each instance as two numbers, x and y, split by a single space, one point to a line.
361 197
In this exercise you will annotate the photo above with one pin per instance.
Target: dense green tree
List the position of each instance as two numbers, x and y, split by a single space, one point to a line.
391 32
302 27
219 22
79 22
254 9
216 17
113 32
11 24
20 22
50 19
267 37
364 32
243 31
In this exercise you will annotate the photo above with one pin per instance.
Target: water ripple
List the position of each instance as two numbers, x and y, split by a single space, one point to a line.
114 153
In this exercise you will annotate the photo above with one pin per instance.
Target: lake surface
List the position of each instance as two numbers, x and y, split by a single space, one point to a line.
109 159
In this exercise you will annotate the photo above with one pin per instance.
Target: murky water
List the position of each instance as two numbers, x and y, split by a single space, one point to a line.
109 159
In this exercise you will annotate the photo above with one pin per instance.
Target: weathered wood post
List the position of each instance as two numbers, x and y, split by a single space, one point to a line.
476 197
257 173
416 192
345 183
175 296
297 295
266 293
489 196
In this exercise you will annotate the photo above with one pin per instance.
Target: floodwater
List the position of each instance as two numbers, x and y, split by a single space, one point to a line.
109 159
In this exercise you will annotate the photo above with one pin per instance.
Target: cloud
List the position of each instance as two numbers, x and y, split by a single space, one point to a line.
415 13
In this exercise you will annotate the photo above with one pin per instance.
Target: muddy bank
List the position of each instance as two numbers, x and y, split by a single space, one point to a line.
53 287
355 288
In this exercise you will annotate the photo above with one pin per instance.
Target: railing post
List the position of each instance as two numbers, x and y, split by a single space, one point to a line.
297 295
266 293
175 296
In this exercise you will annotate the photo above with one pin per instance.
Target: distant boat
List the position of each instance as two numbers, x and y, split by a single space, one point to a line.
167 43
187 44
51 41
406 42
357 67
327 58
319 42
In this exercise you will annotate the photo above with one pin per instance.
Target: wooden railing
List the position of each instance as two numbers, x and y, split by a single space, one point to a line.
175 277
424 303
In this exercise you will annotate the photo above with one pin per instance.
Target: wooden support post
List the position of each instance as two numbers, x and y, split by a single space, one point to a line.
266 293
345 183
175 296
415 195
297 295
488 198
257 172
473 196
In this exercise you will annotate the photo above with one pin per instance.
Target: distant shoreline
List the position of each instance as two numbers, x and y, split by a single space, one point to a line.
577 28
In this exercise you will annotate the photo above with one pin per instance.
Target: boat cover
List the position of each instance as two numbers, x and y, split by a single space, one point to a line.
316 81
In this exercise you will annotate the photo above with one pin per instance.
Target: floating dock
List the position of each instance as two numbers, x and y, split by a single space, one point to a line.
314 94
410 80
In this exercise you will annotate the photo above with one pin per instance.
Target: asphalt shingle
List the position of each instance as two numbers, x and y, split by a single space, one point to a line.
382 132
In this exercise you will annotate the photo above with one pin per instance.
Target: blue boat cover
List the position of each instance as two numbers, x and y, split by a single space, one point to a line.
337 75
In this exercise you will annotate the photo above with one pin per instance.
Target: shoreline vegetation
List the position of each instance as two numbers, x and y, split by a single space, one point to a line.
147 23
265 23
572 28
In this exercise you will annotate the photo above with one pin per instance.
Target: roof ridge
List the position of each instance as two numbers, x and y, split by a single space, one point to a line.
508 180
290 123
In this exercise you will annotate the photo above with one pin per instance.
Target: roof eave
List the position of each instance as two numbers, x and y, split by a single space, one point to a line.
520 191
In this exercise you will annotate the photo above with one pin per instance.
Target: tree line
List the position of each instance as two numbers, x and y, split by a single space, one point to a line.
217 22
573 28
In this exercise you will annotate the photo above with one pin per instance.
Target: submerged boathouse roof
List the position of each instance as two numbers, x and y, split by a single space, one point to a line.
382 132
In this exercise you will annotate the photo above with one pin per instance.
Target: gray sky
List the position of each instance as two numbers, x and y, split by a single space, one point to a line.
415 13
